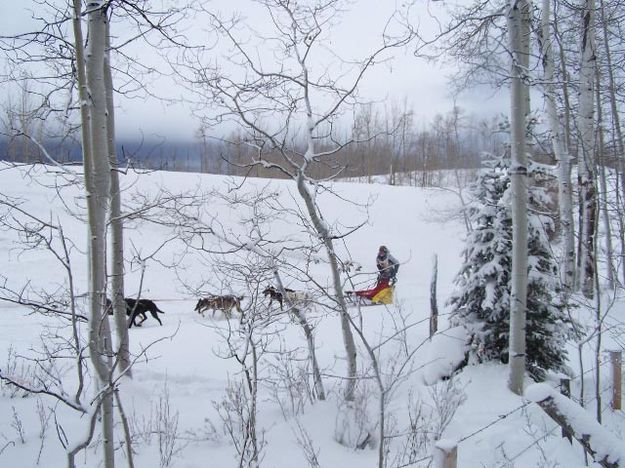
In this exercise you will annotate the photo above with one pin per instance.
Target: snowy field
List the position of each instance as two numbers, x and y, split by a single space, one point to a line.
176 399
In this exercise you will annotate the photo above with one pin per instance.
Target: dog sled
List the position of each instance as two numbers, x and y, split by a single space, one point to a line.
380 294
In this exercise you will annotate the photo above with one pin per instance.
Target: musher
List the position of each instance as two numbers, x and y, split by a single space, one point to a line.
387 277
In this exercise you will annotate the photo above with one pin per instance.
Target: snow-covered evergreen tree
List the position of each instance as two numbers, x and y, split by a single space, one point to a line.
481 302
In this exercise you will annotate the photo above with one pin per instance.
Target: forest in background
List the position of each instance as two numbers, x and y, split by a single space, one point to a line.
394 144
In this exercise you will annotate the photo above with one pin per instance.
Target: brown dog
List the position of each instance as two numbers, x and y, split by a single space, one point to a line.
224 303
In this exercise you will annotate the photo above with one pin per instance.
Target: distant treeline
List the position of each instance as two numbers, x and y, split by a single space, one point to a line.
444 144
166 155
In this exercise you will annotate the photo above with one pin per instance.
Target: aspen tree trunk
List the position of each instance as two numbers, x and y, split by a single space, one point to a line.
348 337
97 206
560 150
588 194
83 93
616 125
116 223
598 350
324 234
566 97
518 31
603 194
85 130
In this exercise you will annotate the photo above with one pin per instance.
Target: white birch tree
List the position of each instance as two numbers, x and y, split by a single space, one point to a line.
586 125
560 148
518 31
97 187
72 66
616 124
116 223
603 186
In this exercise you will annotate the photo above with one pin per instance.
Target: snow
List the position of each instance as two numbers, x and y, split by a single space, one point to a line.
446 444
445 351
184 365
538 392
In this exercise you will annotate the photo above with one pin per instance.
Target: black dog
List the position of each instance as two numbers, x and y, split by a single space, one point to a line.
136 308
141 307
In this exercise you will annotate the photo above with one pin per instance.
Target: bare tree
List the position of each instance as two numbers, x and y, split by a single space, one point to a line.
281 96
22 124
97 186
69 68
269 251
50 374
239 409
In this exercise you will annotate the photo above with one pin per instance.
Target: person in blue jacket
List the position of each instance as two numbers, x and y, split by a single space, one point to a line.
388 266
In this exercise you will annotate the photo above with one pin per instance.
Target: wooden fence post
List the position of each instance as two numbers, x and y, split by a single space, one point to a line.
433 300
445 454
616 358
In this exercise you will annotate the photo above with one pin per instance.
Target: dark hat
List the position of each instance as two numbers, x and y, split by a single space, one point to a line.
383 249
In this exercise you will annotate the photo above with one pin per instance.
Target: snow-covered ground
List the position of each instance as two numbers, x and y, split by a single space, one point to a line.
180 380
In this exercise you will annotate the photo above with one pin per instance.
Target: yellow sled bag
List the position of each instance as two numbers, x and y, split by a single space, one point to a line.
383 297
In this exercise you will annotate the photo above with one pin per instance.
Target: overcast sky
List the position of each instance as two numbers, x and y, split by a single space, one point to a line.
424 85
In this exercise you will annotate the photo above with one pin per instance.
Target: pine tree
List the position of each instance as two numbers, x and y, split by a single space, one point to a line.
481 301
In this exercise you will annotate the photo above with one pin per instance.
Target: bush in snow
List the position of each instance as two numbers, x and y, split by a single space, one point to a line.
481 301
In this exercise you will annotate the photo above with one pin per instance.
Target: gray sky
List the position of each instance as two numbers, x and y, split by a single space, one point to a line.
424 85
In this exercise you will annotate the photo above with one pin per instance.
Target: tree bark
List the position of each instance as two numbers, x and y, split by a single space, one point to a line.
98 172
116 223
560 150
83 92
348 337
603 185
324 234
586 176
518 30
616 126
